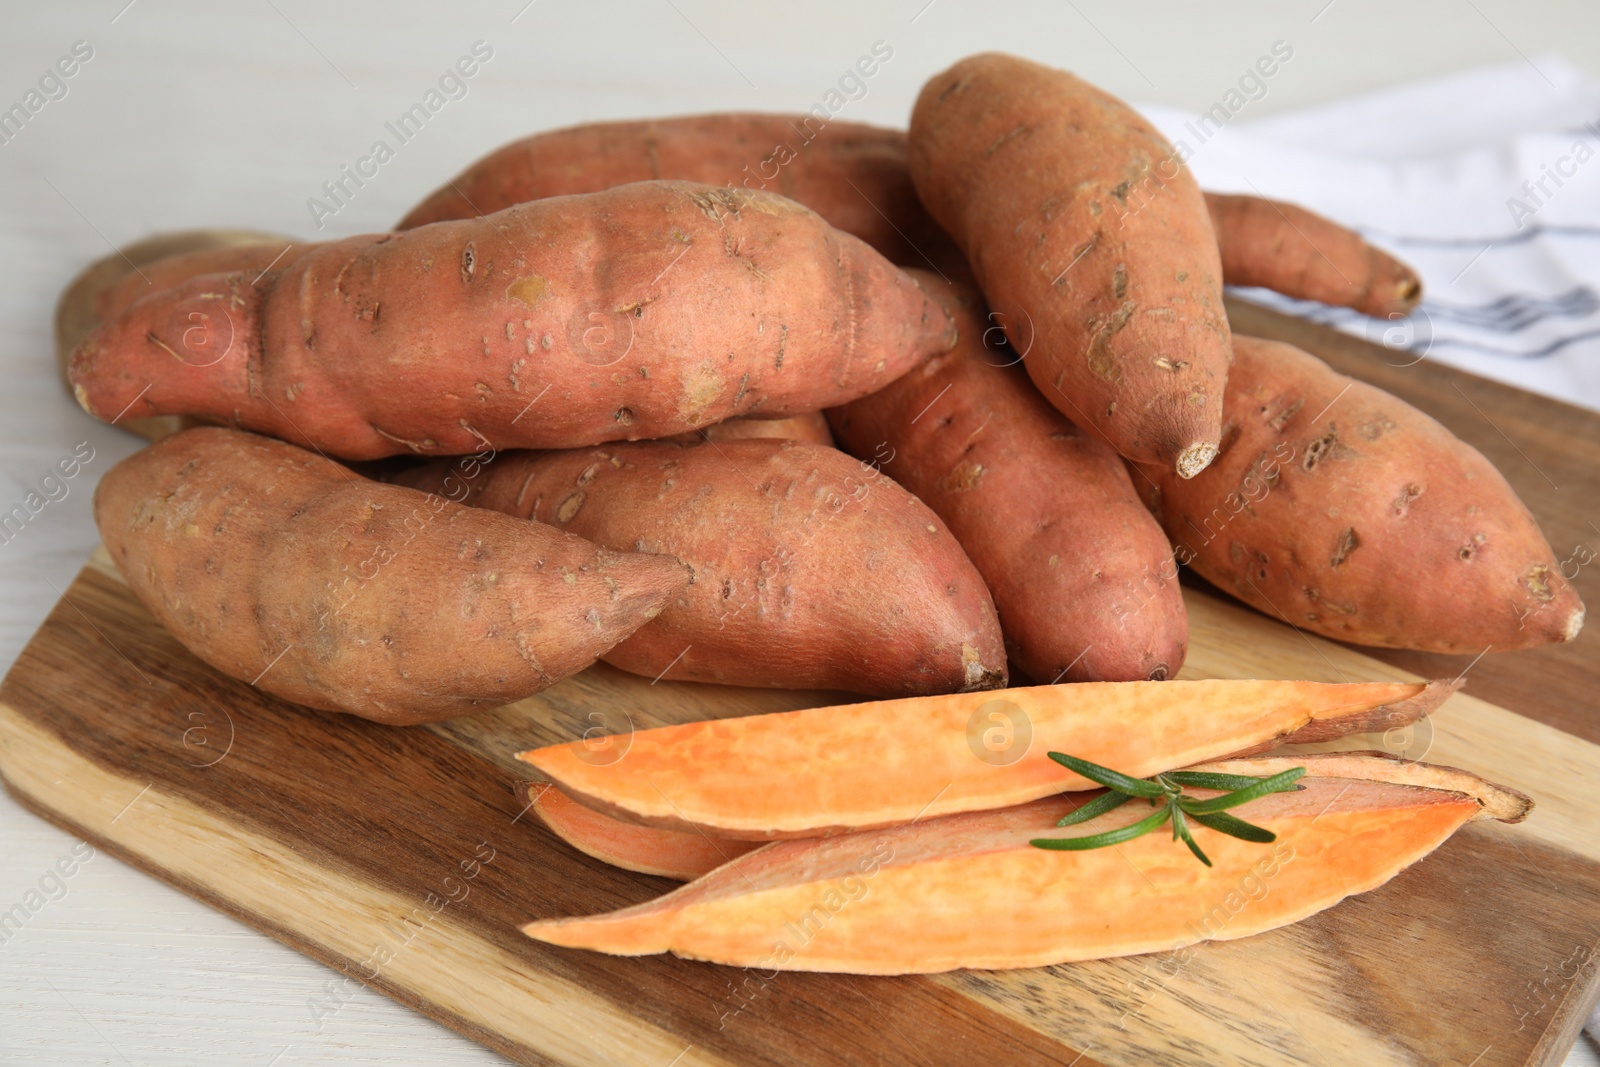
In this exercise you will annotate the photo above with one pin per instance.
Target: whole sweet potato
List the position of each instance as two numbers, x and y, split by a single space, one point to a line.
1092 244
1301 254
1083 578
638 312
851 174
1345 511
287 571
811 571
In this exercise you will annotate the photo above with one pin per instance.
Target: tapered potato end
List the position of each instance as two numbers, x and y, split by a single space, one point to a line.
1496 801
1375 717
1194 459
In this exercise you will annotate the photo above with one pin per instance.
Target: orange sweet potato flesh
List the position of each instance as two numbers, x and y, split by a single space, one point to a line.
1345 511
1093 245
1301 254
810 428
285 570
810 572
1082 576
904 899
683 855
638 312
865 765
851 174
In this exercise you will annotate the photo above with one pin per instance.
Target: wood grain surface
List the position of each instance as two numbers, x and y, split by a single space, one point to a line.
404 859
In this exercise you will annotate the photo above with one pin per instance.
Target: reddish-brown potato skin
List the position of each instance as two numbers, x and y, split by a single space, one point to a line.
638 312
285 570
809 429
851 174
1082 576
175 270
1345 511
1301 254
1092 244
811 571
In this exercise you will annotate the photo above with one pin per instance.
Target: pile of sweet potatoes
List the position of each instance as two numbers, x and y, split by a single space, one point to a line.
750 400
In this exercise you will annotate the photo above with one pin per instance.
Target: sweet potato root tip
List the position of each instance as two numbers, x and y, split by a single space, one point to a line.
1574 624
1194 459
877 764
900 900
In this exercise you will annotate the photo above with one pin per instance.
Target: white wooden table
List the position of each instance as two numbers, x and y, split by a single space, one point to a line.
192 114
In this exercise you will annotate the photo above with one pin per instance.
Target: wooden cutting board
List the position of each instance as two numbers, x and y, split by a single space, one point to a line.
403 858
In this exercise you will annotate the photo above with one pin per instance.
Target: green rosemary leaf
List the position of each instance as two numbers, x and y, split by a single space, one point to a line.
1188 838
1208 780
1098 806
1224 823
1278 783
1133 787
1110 837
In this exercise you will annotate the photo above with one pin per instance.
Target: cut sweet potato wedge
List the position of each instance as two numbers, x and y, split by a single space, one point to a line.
859 766
971 891
680 854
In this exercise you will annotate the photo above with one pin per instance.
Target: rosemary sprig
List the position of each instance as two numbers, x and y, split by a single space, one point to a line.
1165 791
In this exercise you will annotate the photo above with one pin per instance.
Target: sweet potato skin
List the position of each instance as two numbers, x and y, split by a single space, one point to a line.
851 174
285 570
175 270
638 312
1345 511
1299 253
810 429
1082 576
674 854
1092 244
810 571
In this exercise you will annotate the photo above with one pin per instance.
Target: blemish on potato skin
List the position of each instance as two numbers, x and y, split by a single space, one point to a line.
527 291
1402 503
1347 543
1320 448
1537 580
568 509
962 477
1376 428
1287 412
1102 361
